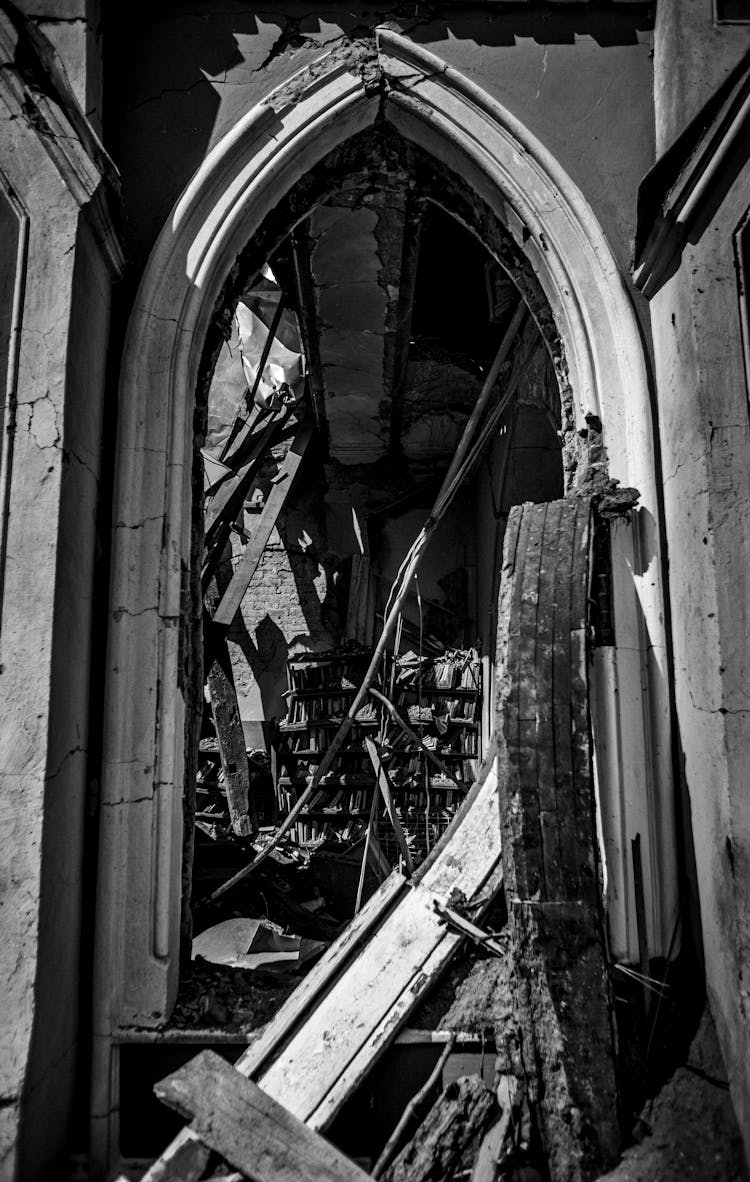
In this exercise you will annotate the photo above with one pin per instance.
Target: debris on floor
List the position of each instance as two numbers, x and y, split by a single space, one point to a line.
688 1132
215 997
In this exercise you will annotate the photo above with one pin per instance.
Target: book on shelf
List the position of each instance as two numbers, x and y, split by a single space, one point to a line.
439 696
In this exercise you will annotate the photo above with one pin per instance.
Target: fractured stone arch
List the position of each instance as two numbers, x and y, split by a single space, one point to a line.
241 181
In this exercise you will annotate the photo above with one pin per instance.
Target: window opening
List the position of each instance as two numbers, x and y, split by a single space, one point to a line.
350 367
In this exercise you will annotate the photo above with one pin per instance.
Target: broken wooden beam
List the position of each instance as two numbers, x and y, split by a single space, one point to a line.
385 790
360 1010
239 427
226 502
229 730
499 1139
248 564
256 1135
449 1137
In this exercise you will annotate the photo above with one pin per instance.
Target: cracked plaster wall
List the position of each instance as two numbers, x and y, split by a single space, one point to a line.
45 656
692 57
705 438
567 76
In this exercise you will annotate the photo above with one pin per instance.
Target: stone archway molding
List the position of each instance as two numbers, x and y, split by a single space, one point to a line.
241 180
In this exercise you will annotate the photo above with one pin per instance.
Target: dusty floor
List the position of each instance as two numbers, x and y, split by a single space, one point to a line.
689 1131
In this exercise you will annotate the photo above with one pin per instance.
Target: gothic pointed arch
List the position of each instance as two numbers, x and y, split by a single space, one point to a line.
240 183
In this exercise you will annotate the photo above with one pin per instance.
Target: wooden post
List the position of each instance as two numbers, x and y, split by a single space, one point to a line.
229 730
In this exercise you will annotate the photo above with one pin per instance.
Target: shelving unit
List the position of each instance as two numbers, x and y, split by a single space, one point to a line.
439 699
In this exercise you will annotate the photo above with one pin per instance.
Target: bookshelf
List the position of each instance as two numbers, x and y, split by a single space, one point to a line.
438 698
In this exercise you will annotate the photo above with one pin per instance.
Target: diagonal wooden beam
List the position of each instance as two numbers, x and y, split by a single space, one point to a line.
390 808
243 575
229 730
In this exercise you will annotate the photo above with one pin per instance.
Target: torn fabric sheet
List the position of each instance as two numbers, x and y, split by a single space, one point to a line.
239 358
250 943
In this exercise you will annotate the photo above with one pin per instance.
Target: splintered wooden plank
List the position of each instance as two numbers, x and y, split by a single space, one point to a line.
327 1036
556 930
385 1031
324 1040
543 700
360 1014
231 737
227 499
240 1121
473 852
507 685
248 563
321 976
355 1007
